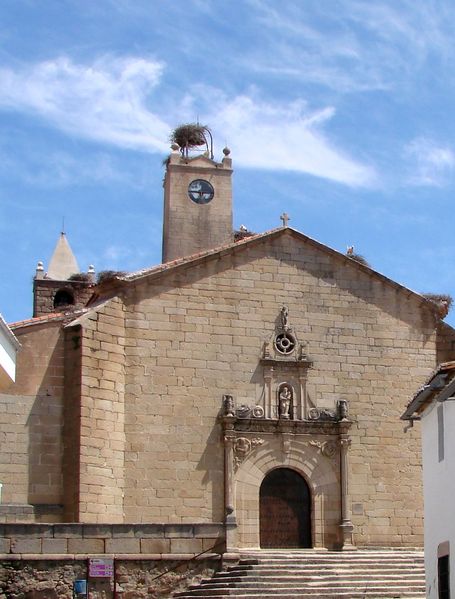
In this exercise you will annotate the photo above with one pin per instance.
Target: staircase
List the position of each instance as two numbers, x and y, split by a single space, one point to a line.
362 574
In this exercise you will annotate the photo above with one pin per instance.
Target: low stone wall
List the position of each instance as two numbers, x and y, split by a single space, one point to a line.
26 513
134 579
156 540
42 561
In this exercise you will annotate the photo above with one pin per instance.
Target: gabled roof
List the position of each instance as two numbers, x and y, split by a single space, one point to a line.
439 387
51 317
63 263
206 255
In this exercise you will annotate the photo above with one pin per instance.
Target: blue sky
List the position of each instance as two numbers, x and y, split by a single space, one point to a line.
337 112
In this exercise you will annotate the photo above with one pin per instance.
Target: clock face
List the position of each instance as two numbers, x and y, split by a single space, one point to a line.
200 191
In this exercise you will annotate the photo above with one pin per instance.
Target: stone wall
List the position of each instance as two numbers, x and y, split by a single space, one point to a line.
31 412
197 333
446 343
42 561
98 413
135 579
189 227
44 291
145 374
20 541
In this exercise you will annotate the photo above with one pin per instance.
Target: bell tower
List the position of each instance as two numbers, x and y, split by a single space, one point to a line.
197 197
63 288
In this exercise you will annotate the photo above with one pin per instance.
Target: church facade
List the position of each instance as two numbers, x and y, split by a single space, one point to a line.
255 382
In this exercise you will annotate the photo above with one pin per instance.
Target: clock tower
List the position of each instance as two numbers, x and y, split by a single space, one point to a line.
197 204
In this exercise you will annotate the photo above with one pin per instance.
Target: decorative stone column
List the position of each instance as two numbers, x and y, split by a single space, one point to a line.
229 508
303 396
268 371
346 524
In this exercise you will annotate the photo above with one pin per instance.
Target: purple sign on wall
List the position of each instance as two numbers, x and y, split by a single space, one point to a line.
101 568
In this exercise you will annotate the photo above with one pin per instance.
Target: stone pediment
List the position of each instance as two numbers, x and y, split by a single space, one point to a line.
283 344
273 236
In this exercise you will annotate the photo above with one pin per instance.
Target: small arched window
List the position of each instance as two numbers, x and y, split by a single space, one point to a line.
63 297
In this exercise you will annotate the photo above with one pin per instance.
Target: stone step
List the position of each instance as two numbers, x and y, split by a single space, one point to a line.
379 592
360 562
317 594
384 574
327 554
333 559
311 584
366 574
326 577
339 595
343 556
305 590
340 568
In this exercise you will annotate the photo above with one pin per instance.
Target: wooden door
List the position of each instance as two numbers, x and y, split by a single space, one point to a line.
285 510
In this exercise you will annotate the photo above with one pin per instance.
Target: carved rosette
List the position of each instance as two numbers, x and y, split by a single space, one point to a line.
243 447
327 448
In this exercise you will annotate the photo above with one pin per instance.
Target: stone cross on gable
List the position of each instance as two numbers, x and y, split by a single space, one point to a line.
285 218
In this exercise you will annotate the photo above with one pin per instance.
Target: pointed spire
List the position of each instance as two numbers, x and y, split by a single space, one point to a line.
63 263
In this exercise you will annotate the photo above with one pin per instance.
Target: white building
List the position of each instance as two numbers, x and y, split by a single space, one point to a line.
434 406
9 346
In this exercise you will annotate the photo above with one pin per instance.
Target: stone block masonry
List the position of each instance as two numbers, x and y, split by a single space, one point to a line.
135 579
116 416
95 415
40 541
151 560
196 333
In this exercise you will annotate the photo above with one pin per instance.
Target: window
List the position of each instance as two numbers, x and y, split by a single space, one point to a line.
443 577
63 297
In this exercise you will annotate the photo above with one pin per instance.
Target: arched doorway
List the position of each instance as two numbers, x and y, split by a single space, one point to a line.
285 510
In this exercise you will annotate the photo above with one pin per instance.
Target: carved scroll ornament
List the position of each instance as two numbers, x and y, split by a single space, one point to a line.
243 447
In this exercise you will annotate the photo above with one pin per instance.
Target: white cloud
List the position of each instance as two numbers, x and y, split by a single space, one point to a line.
286 137
109 102
430 163
103 102
362 45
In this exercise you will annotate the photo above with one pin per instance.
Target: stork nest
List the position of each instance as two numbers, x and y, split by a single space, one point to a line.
109 275
80 277
190 135
359 258
442 300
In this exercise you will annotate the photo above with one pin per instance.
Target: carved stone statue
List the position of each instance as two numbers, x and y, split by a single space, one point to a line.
228 404
284 316
284 402
342 409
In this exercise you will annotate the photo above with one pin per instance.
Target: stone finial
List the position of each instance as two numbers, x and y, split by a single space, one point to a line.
226 151
342 409
175 147
39 273
91 273
228 405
